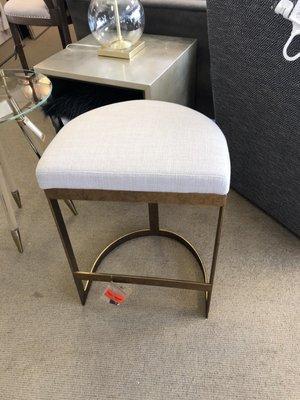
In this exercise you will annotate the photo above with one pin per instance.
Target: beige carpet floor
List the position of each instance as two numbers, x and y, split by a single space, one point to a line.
158 344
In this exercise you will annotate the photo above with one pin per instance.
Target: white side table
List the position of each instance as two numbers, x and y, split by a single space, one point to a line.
164 70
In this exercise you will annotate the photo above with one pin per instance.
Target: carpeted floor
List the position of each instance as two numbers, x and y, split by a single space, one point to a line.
158 344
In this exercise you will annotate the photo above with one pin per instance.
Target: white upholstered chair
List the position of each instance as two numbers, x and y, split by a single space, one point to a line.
138 151
36 13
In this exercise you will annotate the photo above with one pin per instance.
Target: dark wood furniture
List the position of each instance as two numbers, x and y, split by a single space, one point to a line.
58 17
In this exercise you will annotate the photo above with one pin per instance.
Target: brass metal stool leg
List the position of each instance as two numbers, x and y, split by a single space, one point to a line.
214 259
153 217
58 218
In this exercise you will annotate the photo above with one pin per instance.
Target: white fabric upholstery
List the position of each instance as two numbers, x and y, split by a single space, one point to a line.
27 9
138 146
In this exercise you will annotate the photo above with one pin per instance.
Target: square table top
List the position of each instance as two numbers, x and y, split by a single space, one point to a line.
159 55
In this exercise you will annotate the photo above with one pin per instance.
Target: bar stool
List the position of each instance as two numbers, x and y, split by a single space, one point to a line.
36 13
138 151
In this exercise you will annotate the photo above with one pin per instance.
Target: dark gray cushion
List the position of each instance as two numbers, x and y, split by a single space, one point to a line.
257 103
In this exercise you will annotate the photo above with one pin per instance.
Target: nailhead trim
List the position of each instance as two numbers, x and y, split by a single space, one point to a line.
27 16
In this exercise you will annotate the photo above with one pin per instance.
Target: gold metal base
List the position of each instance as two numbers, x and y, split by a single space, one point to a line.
17 198
17 239
126 54
121 44
205 285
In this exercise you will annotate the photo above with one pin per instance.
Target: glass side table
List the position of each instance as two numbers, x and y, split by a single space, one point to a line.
21 92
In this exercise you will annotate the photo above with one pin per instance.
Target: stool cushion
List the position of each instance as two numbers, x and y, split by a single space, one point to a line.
138 145
26 9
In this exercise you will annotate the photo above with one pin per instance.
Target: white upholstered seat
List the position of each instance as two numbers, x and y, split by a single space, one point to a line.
27 9
139 145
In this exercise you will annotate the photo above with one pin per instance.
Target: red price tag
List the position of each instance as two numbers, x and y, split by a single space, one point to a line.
115 295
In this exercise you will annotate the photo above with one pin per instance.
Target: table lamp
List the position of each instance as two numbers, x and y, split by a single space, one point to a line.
118 25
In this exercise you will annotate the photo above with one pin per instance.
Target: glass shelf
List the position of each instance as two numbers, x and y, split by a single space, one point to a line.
21 91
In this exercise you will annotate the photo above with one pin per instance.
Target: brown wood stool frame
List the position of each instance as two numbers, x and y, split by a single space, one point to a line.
152 198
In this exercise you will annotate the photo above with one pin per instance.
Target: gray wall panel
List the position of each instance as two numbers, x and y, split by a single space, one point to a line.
257 103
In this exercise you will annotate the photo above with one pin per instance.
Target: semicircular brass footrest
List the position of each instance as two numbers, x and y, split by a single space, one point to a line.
144 280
